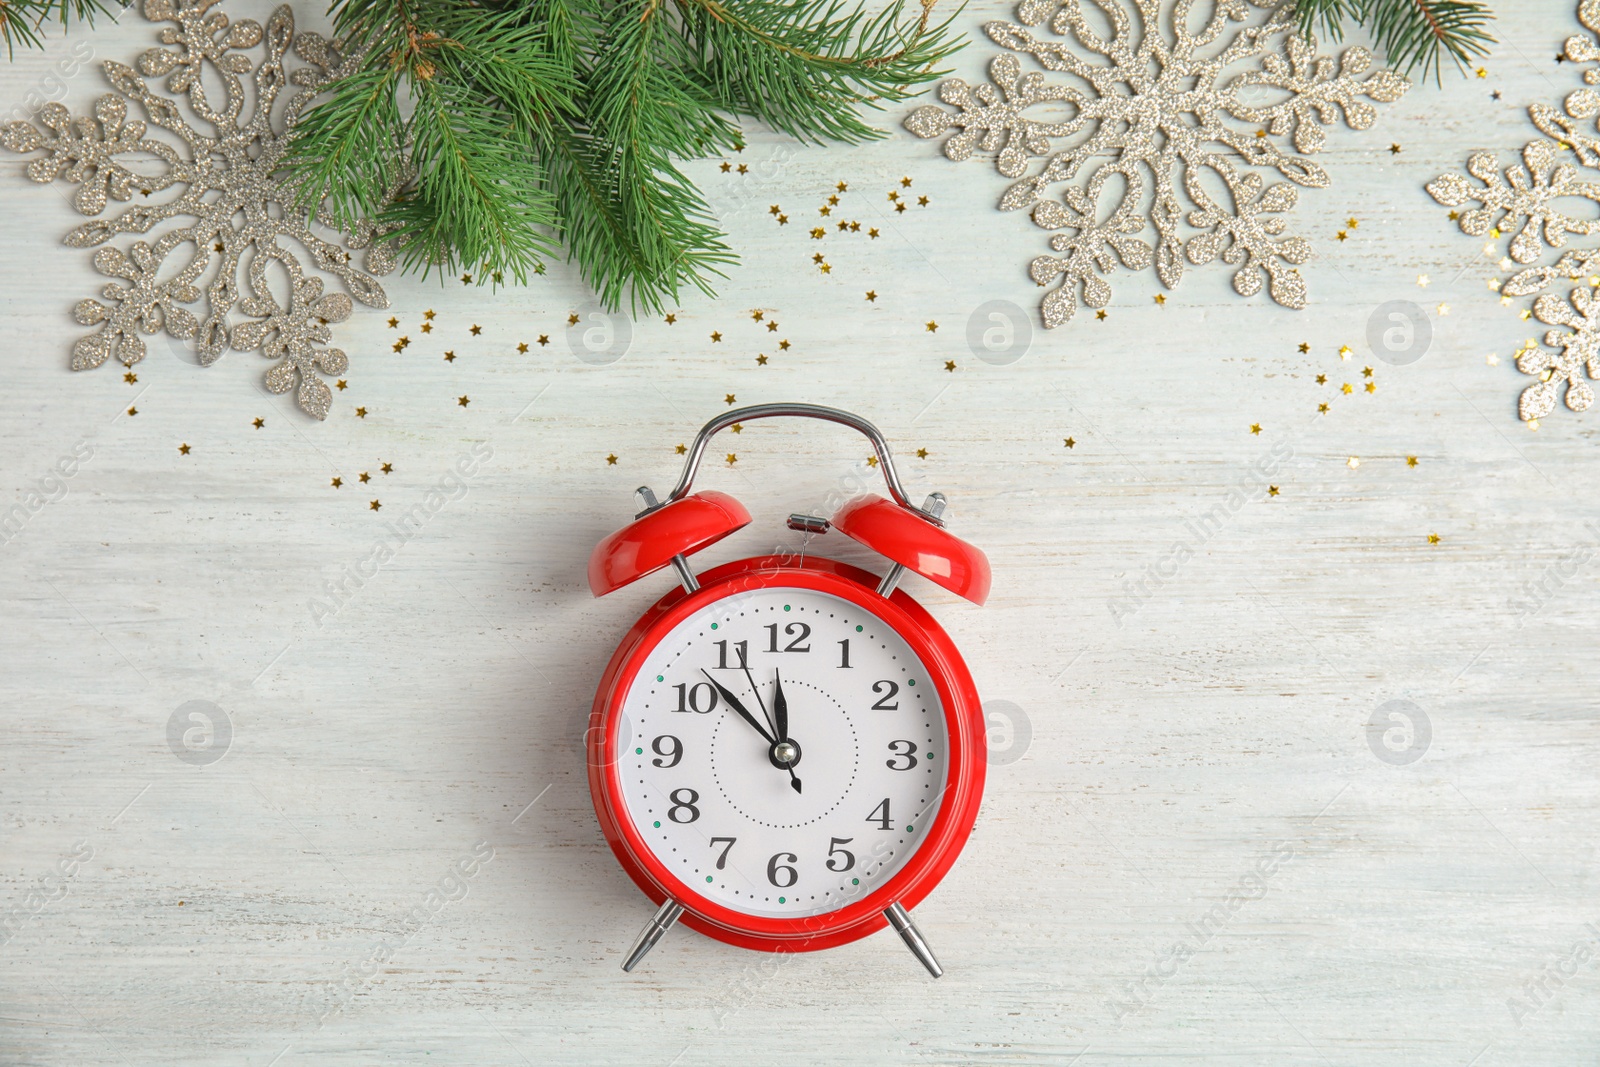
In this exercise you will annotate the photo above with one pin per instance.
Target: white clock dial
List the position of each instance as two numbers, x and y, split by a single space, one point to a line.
712 793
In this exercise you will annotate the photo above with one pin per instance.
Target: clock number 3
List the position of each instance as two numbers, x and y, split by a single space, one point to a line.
907 753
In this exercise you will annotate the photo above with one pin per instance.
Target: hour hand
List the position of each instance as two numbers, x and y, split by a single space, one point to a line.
733 702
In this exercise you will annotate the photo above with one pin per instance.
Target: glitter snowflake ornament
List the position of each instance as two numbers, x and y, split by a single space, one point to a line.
220 159
1159 126
1525 201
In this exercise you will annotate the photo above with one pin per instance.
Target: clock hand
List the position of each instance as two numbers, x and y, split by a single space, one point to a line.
733 702
776 729
780 708
780 711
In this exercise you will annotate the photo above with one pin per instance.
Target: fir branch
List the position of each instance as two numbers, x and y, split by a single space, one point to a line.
22 21
1410 33
564 123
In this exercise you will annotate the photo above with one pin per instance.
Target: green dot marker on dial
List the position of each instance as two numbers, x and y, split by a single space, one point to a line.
713 626
658 826
855 881
638 752
785 608
780 900
858 629
661 677
708 878
911 829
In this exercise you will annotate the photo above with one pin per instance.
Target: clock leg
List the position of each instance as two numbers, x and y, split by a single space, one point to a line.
658 925
912 937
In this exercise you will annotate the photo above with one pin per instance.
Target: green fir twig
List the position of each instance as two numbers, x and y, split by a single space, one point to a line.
1410 33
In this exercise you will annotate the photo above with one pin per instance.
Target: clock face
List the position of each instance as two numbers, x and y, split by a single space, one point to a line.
784 752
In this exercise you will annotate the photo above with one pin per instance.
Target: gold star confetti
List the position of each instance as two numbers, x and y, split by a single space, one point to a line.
342 385
462 401
1322 409
1480 72
449 357
1351 223
611 460
387 468
184 449
361 413
842 186
1255 428
1346 389
130 377
716 336
671 318
726 167
737 427
466 279
1372 387
824 210
1492 359
1411 461
1160 298
843 225
428 314
426 327
1304 347
1272 490
772 326
950 365
260 423
872 461
872 296
1070 442
1444 309
922 201
1366 372
932 327
476 329
783 346
522 348
743 169
894 196
681 449
572 320
855 227
1433 539
337 482
774 209
757 315
1342 236
826 268
365 477
900 206
1101 314
1394 150
873 233
544 339
783 220
905 183
394 324
1322 379
375 506
1453 216
1422 280
728 400
819 233
1353 462
816 257
733 457
761 360
133 411
922 453
1345 351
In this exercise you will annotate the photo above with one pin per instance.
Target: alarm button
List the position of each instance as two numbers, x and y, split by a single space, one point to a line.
916 544
648 543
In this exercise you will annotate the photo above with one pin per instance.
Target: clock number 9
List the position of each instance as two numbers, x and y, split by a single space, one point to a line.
908 754
684 805
674 753
689 698
773 867
848 858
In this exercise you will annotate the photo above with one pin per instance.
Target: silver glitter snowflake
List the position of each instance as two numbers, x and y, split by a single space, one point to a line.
220 158
1156 116
1524 201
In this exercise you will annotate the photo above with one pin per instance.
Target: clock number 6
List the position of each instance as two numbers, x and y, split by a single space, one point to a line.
835 850
907 754
684 805
722 860
773 867
674 753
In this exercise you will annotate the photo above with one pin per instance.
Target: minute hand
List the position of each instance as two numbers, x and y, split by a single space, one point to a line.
733 702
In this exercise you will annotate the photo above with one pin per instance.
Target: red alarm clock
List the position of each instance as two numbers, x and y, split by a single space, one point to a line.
787 753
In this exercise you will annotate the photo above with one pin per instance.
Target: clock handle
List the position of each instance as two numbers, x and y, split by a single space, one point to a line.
896 914
801 411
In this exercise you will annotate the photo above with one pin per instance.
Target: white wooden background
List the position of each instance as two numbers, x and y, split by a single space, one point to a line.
227 913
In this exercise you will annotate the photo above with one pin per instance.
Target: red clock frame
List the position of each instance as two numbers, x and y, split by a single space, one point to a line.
945 836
